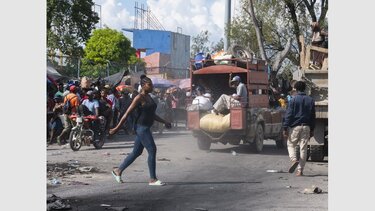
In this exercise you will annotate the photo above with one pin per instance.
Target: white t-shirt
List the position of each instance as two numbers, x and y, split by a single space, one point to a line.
91 105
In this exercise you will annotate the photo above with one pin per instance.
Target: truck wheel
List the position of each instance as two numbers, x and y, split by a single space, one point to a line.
316 153
259 138
203 144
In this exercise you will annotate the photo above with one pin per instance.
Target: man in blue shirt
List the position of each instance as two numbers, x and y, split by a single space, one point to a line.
298 126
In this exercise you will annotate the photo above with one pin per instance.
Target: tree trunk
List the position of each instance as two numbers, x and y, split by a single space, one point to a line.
258 32
281 56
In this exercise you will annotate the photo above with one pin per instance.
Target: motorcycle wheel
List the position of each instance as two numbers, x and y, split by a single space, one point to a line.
74 140
98 144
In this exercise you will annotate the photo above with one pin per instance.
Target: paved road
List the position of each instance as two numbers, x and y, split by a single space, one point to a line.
197 180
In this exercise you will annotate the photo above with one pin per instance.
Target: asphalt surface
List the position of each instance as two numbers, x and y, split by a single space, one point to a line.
217 179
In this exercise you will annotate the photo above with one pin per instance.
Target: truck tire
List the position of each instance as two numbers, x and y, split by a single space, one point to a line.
259 138
316 153
203 144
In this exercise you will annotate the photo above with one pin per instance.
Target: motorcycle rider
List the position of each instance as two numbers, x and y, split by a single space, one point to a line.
74 102
90 106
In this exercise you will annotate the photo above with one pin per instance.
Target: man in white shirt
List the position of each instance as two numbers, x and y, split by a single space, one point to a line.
203 102
236 100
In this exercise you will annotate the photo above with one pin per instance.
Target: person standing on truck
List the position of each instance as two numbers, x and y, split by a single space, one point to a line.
298 126
238 99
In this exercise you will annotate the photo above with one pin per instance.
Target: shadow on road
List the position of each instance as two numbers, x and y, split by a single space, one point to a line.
247 149
212 183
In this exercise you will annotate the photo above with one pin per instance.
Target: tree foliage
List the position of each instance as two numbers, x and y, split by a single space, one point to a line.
69 25
201 43
107 49
278 21
215 47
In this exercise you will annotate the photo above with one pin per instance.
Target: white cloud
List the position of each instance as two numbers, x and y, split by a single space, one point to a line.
193 16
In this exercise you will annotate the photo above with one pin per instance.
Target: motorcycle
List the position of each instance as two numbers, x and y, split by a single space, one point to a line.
83 134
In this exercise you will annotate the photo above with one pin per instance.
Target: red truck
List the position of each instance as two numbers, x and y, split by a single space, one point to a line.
251 123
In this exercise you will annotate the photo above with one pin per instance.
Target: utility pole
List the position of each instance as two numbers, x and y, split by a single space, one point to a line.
100 14
79 64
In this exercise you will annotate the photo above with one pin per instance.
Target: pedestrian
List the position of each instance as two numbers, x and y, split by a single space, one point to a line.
55 124
60 90
282 101
298 126
146 115
237 99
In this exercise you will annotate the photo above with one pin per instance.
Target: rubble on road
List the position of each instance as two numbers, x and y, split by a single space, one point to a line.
57 203
312 190
67 169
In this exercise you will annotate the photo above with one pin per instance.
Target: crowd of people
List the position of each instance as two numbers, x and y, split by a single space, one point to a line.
107 101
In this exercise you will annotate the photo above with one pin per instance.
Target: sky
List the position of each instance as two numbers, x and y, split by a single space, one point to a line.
193 16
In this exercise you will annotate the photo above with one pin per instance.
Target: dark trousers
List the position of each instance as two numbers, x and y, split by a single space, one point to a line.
143 140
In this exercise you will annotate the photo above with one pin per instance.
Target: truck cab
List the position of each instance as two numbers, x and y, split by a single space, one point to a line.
251 121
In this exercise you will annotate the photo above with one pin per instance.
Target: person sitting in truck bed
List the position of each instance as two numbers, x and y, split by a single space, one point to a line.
237 99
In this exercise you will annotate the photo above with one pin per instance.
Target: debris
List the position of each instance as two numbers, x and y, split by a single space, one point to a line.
234 153
163 159
88 176
202 209
187 158
57 203
288 186
86 169
124 153
138 171
105 205
78 183
274 171
312 190
55 181
107 154
211 188
282 178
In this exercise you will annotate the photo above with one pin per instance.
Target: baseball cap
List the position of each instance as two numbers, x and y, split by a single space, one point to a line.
236 78
72 88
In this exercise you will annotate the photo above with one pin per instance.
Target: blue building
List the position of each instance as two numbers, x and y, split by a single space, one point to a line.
176 45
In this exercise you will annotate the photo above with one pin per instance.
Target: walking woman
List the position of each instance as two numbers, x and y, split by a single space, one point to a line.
144 120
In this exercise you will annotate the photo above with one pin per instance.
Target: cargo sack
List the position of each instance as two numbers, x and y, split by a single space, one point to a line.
85 82
215 123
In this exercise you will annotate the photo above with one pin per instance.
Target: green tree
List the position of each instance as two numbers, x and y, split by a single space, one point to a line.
107 49
215 47
199 43
266 26
69 25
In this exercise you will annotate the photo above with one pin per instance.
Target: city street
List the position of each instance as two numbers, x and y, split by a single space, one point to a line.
227 177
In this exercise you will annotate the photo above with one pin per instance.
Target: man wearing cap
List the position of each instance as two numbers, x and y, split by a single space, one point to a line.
74 103
91 104
237 99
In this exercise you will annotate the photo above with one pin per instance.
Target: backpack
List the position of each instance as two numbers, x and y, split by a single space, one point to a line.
67 108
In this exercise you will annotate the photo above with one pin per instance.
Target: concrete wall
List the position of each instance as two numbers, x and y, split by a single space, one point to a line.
157 60
175 44
152 40
180 48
